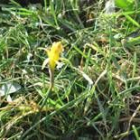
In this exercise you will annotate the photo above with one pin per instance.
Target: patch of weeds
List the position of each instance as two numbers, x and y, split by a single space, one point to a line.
96 91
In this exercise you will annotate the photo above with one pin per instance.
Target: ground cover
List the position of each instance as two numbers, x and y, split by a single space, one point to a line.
96 92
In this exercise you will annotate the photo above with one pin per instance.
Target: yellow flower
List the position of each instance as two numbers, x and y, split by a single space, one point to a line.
54 54
53 57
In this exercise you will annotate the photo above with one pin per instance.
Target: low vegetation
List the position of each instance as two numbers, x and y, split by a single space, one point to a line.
96 90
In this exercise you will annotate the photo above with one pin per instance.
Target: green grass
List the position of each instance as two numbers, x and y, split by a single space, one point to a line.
76 108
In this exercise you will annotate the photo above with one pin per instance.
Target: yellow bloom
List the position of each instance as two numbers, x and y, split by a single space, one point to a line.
53 57
54 54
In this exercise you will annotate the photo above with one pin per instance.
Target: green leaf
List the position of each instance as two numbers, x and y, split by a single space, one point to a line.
125 4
